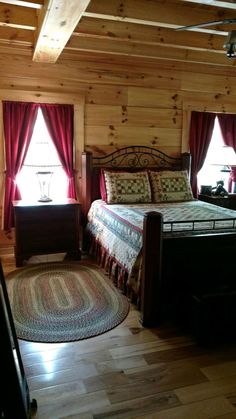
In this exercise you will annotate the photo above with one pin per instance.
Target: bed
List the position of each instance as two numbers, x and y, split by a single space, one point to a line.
159 253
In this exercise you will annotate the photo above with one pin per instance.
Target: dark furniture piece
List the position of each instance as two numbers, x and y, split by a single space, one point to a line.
222 201
174 266
15 399
45 228
214 316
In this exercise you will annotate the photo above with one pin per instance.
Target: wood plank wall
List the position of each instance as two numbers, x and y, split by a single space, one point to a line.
121 103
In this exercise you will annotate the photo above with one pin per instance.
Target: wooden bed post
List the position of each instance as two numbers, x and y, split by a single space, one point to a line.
151 269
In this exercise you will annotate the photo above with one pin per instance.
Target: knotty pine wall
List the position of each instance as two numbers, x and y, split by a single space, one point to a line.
120 103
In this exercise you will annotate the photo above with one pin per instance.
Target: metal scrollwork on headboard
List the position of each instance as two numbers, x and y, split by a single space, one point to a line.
137 157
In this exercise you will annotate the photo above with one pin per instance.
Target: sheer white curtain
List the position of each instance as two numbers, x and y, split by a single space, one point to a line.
41 156
215 166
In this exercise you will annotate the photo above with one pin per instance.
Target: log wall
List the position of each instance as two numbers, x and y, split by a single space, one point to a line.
119 104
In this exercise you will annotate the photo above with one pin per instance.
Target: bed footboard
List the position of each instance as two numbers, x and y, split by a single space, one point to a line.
202 263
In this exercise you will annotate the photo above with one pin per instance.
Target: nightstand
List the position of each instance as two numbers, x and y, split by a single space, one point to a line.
222 201
46 228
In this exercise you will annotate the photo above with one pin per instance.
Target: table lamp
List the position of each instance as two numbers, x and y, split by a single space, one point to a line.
44 179
227 160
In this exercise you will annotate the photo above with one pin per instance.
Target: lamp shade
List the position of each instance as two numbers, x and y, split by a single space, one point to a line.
226 157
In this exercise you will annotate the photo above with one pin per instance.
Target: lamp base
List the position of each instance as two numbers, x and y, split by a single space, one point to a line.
44 199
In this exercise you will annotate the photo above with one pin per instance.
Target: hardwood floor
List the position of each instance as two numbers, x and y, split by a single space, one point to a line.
129 372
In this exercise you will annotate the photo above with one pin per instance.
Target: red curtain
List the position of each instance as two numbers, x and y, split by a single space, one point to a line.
59 121
232 179
18 122
201 128
227 124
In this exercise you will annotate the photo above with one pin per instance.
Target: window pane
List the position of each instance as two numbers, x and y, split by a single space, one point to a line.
217 157
41 156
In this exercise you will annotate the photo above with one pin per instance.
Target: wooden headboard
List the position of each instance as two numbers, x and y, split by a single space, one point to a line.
128 158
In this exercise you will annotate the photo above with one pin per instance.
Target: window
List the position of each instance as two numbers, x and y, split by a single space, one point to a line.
215 167
41 156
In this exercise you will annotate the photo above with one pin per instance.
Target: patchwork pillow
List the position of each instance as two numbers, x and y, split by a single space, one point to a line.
127 187
169 186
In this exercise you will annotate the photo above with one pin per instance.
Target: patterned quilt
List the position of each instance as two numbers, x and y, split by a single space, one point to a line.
118 227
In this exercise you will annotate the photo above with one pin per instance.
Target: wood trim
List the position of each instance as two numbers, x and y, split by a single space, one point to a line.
86 184
2 164
45 97
185 131
42 96
79 117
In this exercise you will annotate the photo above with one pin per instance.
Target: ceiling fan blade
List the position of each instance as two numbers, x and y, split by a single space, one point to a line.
202 25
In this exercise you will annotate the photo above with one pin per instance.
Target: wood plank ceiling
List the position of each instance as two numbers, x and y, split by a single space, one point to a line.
116 29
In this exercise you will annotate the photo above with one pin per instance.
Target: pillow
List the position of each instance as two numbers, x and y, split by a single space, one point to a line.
127 187
169 186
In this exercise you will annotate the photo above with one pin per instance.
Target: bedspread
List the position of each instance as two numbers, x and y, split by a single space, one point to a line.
118 228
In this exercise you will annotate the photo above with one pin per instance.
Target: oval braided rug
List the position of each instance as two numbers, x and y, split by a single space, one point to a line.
63 301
